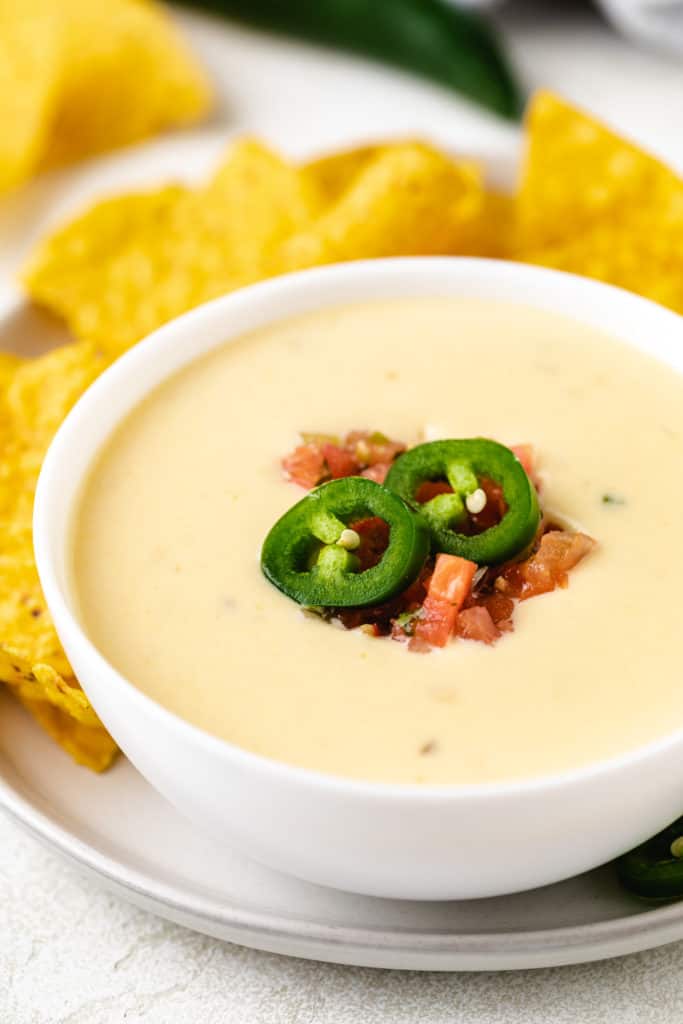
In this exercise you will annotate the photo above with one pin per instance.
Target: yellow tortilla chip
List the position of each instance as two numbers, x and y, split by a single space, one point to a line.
35 396
89 746
126 74
26 631
491 233
42 683
95 271
8 364
131 263
650 264
77 78
254 201
406 200
42 391
488 233
30 63
578 174
593 204
333 174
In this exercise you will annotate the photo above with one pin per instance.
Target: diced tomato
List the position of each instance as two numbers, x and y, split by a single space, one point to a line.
398 631
451 579
419 646
371 447
500 607
558 552
378 472
442 600
525 454
403 626
448 588
436 623
340 462
384 616
323 457
305 465
476 623
430 488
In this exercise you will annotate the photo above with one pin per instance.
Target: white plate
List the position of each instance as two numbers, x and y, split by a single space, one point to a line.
115 826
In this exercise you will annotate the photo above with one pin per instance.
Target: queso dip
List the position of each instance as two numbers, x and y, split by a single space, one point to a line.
172 519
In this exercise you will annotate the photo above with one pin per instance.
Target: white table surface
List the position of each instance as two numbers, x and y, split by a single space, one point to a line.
70 953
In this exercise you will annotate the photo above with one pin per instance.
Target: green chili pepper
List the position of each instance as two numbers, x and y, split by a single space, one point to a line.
306 554
431 37
461 463
655 868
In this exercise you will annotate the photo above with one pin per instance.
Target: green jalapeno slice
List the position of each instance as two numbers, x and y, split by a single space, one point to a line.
462 463
308 554
655 868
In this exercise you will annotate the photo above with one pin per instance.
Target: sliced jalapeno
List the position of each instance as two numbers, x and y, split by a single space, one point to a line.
461 463
308 554
655 868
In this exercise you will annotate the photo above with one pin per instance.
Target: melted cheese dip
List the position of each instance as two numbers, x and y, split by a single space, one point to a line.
167 541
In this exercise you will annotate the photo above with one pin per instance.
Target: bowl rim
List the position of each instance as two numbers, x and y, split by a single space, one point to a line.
179 331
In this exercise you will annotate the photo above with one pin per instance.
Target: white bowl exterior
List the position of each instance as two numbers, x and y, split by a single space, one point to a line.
451 842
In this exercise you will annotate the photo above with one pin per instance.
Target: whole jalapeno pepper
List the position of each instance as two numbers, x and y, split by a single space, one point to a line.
431 37
655 868
461 463
308 554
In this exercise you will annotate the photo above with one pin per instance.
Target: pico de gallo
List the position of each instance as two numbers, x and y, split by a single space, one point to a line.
421 544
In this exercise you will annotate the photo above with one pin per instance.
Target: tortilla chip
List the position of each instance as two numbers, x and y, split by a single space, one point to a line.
95 271
254 201
593 204
131 263
126 74
649 264
89 746
35 396
577 175
491 233
8 364
488 233
333 174
406 200
42 391
30 63
78 78
42 683
26 631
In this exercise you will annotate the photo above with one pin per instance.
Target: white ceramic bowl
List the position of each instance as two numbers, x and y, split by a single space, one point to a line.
420 842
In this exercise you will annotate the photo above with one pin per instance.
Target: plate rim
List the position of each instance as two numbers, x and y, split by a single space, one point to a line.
402 947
